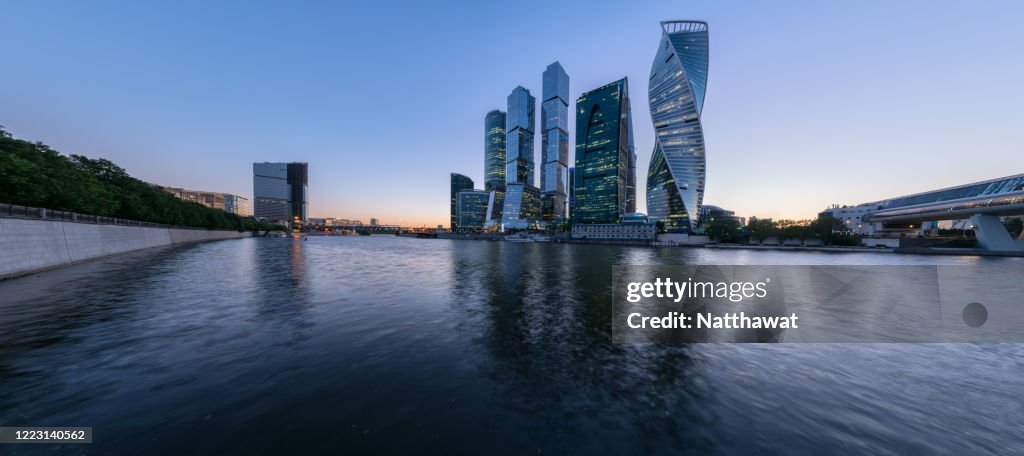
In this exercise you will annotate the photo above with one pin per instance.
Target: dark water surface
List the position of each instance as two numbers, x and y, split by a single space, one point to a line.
380 344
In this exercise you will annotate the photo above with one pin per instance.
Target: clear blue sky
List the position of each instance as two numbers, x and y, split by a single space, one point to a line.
808 103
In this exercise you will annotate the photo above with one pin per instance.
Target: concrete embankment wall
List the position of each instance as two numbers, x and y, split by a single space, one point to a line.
28 245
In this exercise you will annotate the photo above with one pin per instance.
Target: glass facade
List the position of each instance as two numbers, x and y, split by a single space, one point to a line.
280 191
298 182
631 173
675 178
519 131
986 188
554 175
603 158
521 201
494 159
572 192
459 183
236 205
522 206
494 150
474 209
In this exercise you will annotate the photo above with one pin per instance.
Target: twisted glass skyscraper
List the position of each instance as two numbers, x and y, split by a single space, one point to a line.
675 178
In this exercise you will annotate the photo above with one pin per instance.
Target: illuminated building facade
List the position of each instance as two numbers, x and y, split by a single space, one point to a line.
554 143
474 209
603 156
675 178
459 183
521 206
494 160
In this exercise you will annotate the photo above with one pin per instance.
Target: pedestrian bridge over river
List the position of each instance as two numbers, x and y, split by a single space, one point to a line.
981 202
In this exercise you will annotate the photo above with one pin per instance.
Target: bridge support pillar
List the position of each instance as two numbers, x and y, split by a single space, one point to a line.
992 235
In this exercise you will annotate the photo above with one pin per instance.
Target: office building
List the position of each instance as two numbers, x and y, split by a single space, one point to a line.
675 178
237 205
226 202
634 227
554 174
521 207
280 191
519 130
494 160
459 183
603 158
474 209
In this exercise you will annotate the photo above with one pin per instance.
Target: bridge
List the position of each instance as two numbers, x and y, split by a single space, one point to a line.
981 202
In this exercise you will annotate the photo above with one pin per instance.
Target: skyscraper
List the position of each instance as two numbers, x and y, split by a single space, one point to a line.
554 142
458 183
494 150
603 156
679 74
522 198
519 129
494 160
280 191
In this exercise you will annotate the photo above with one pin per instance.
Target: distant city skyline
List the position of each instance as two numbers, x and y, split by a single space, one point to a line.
810 104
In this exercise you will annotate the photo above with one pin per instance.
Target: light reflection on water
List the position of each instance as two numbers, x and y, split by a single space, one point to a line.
379 343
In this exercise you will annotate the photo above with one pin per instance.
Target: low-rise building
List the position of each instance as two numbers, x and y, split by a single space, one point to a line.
473 209
224 201
237 205
633 227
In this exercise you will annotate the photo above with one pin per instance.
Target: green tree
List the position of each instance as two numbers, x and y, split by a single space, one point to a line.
33 174
760 229
723 230
833 231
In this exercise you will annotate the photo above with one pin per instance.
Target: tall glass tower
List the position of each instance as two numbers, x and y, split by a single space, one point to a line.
554 143
522 197
679 75
494 160
459 183
519 129
280 191
603 155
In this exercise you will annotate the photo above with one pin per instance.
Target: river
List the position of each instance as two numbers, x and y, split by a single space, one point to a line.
360 344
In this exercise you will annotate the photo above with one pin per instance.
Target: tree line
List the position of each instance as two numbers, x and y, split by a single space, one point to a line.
829 230
33 174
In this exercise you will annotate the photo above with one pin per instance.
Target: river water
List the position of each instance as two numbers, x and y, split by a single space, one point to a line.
349 345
